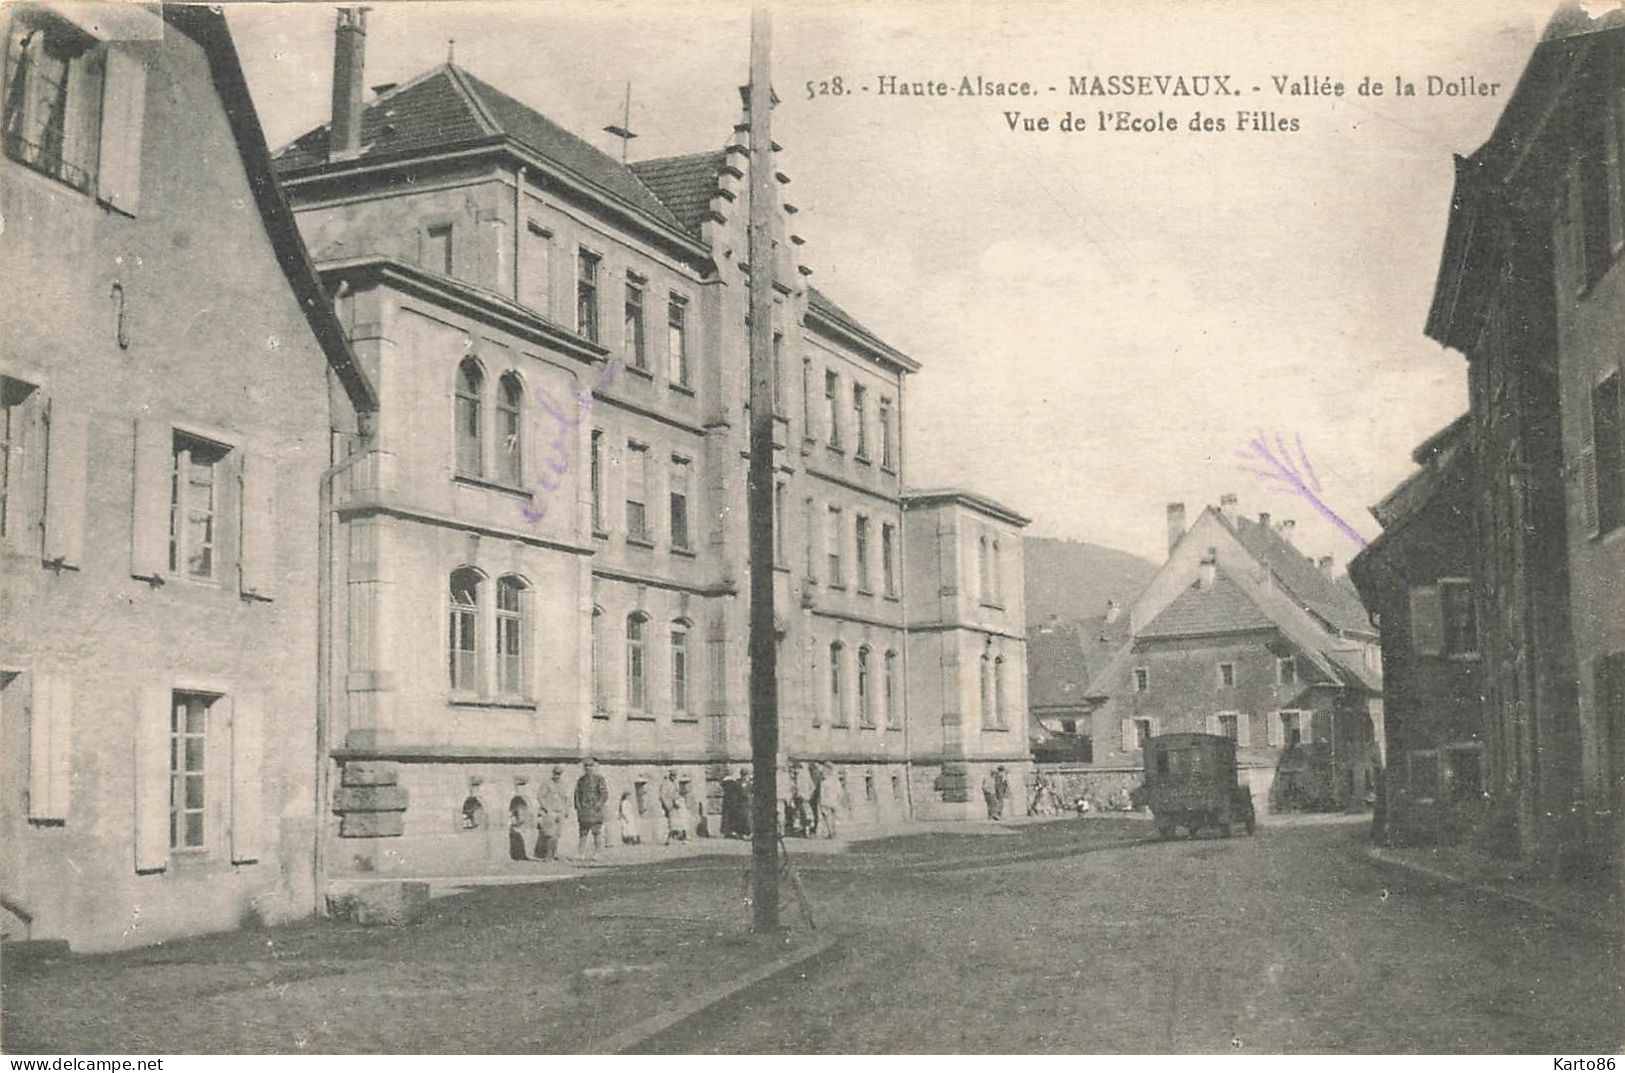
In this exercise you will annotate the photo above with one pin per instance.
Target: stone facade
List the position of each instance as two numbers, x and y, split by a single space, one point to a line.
157 661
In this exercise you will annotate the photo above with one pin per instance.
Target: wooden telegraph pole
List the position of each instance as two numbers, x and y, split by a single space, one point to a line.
764 678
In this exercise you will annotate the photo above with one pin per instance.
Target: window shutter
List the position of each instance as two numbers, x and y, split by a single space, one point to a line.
1277 732
68 433
247 778
257 557
149 533
1128 735
1244 729
1213 725
124 106
1586 469
152 718
1574 223
50 765
1427 620
1611 164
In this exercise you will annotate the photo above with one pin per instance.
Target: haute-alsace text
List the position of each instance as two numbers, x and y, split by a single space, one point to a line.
1123 121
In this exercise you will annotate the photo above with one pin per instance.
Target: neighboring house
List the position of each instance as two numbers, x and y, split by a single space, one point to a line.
547 551
173 384
1241 634
1417 578
1531 291
1062 658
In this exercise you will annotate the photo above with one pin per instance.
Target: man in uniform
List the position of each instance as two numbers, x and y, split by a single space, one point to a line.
592 793
551 805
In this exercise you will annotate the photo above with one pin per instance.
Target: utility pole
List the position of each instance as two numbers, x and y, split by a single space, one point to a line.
764 677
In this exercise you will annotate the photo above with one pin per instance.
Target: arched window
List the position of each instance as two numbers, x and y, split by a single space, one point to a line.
987 690
510 635
463 638
866 715
837 707
637 667
996 593
470 433
679 667
600 688
510 458
983 593
891 689
998 692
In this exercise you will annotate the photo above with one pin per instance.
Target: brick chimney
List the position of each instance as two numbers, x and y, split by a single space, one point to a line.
349 59
1227 505
1264 519
1326 565
1288 529
1113 612
1176 524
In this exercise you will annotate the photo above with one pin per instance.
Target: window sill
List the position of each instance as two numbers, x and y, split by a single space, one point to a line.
992 605
681 389
493 486
893 597
690 720
601 534
835 587
601 713
470 700
835 449
639 370
887 467
640 717
1001 730
895 729
865 592
683 551
640 542
863 458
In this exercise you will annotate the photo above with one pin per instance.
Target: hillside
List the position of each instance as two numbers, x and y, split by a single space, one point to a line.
1073 580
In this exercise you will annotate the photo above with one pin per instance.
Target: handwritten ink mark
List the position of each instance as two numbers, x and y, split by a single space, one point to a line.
1293 474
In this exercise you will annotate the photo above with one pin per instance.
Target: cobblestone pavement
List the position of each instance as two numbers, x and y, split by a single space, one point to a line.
1095 938
1080 935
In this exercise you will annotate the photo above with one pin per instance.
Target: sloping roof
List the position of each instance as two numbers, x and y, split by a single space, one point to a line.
1057 668
448 106
207 26
1221 608
684 184
1322 596
820 304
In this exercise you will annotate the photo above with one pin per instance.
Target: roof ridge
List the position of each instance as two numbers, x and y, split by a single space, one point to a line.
461 78
394 91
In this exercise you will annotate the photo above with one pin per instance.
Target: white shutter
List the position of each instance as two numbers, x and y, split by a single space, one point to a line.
1244 729
50 747
257 565
1128 736
124 106
1214 726
68 433
1277 734
1427 620
152 720
247 777
149 533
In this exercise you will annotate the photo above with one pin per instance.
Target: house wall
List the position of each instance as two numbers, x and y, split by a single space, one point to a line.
217 345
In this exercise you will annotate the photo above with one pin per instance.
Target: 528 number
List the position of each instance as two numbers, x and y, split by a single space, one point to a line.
830 87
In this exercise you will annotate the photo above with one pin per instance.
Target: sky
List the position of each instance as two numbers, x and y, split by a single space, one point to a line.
1104 318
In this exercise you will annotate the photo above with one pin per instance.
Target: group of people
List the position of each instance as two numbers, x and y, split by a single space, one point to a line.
996 792
803 811
681 813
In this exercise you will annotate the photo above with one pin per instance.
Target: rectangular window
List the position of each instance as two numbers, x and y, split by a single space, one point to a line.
1142 680
53 99
637 479
1230 726
1142 732
832 407
196 487
188 788
587 295
810 511
596 464
891 691
1227 674
718 670
887 460
464 631
510 659
600 684
1460 618
861 553
834 548
679 503
437 249
637 688
1609 445
21 459
837 705
637 353
866 712
679 670
806 398
778 373
535 269
860 421
1291 728
1286 671
677 339
780 491
888 559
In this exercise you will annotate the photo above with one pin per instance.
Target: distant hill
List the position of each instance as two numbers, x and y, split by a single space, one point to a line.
1073 580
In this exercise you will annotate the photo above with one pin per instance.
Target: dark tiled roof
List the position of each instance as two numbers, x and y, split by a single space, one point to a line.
684 184
1221 608
1057 669
1323 596
448 106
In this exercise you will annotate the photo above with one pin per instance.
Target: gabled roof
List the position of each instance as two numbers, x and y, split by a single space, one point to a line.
819 305
1322 596
1057 667
684 184
447 106
1220 608
931 497
207 26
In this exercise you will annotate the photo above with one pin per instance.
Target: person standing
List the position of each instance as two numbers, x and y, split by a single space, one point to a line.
1002 783
551 805
828 790
591 795
667 795
630 833
990 794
